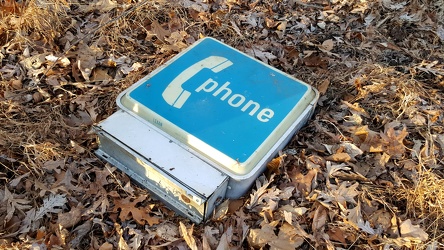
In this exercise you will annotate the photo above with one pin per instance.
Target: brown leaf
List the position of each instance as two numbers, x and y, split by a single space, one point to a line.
327 45
298 211
101 5
339 157
409 230
152 220
355 108
129 210
100 75
235 205
87 60
70 218
260 237
187 235
66 180
261 185
79 232
323 86
319 219
270 23
106 246
225 239
221 210
336 234
168 231
121 244
393 140
275 164
17 84
159 31
381 217
370 140
315 61
303 183
288 238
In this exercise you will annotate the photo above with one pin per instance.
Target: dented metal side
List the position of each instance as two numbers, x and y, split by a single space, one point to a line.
192 192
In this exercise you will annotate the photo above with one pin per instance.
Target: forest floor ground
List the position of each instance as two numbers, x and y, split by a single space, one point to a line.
366 172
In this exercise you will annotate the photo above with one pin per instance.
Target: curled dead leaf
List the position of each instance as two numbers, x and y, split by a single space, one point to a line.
187 235
407 229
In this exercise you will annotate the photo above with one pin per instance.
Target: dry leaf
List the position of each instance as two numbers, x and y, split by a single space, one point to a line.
393 140
332 169
323 86
339 157
71 218
87 60
381 218
159 31
221 210
337 234
261 237
121 244
136 240
225 239
208 234
327 45
101 5
275 164
288 238
261 185
259 52
51 204
235 205
106 246
129 210
168 231
407 229
13 204
10 7
393 6
298 211
187 235
319 219
315 61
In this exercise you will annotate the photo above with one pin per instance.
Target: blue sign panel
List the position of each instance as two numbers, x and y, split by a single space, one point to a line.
221 96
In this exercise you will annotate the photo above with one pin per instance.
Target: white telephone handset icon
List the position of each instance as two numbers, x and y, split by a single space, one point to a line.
175 95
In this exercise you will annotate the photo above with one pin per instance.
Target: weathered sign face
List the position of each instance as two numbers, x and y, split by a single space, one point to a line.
225 104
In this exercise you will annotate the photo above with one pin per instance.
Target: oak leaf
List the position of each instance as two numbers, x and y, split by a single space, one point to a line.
168 231
51 204
288 238
129 210
11 203
393 140
261 188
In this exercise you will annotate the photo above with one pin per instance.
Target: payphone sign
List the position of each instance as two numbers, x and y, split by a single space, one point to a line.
221 96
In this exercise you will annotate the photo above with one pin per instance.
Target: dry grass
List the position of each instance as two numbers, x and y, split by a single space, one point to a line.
35 21
425 198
